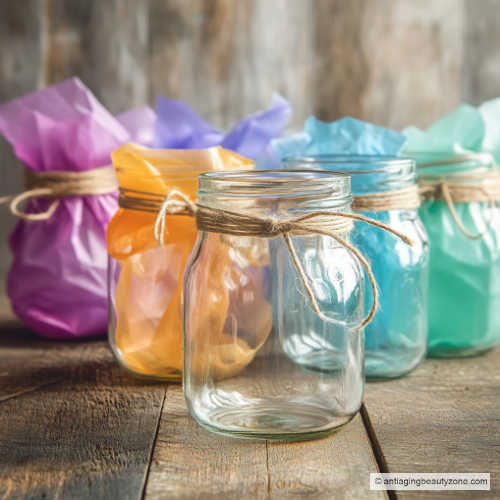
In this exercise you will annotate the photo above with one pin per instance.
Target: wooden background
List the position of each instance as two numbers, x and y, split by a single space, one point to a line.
392 62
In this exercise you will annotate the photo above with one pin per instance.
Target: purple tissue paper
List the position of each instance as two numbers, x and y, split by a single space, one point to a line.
57 281
179 127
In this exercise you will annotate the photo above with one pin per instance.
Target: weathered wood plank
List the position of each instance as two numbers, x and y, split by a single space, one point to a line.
394 63
341 66
21 33
21 71
106 44
28 365
415 60
189 462
335 467
444 417
85 432
481 75
226 58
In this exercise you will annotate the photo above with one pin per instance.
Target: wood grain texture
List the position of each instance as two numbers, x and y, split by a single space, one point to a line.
481 51
84 432
189 463
21 71
105 43
444 417
341 66
226 58
415 55
337 467
21 57
393 63
28 364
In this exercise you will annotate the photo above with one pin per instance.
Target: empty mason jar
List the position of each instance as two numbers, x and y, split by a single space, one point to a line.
259 362
395 340
464 283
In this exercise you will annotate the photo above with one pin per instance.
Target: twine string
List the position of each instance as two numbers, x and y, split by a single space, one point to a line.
56 185
461 191
172 206
407 198
330 224
445 189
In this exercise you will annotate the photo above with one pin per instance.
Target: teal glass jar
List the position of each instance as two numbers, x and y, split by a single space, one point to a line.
464 284
395 340
259 362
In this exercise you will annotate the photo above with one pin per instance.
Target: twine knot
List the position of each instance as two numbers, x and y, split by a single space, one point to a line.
176 202
275 227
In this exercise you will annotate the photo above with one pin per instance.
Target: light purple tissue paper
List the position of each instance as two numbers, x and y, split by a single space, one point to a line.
179 127
140 124
57 281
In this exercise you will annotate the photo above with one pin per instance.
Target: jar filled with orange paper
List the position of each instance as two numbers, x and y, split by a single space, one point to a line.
146 266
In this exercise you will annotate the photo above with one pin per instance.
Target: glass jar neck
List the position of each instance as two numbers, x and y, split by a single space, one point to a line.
449 164
154 172
369 173
148 194
275 192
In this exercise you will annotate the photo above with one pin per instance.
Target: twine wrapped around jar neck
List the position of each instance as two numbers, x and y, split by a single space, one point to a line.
60 184
327 223
478 185
387 182
407 198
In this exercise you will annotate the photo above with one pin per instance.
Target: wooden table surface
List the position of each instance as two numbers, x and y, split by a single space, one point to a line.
74 425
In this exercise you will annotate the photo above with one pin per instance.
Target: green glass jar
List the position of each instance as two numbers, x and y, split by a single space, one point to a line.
464 281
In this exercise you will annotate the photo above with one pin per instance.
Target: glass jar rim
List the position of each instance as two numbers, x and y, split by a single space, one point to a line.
439 158
369 173
173 164
180 174
276 183
382 163
439 163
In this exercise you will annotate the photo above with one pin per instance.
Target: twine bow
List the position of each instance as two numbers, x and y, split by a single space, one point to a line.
329 223
58 184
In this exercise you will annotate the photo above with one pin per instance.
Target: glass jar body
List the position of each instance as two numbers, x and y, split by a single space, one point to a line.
145 301
464 285
464 281
259 362
396 338
145 276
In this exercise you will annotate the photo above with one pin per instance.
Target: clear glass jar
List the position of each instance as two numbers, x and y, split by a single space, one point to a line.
464 284
145 279
258 361
395 340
